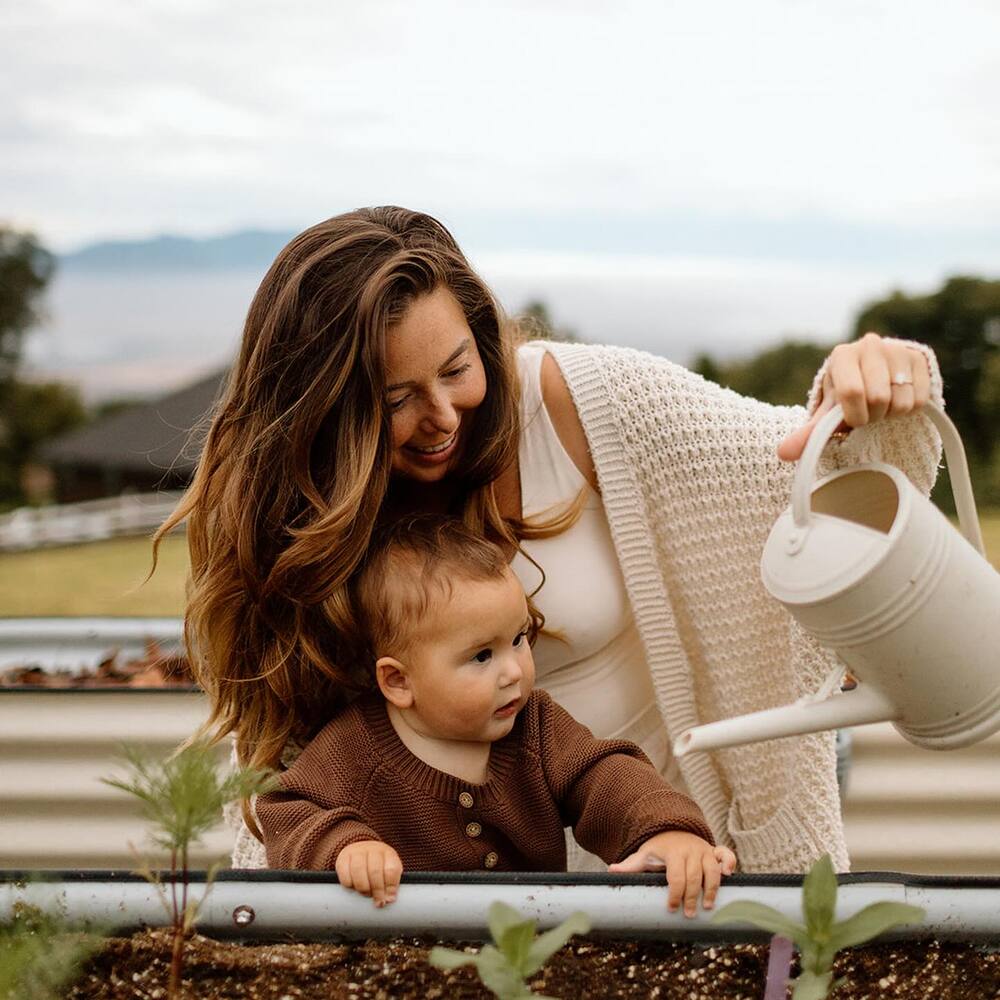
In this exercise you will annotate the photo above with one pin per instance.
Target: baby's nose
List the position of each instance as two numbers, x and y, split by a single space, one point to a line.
511 673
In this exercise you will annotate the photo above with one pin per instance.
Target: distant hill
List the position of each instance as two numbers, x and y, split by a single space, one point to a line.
249 248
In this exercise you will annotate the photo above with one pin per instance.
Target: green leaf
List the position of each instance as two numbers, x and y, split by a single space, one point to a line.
819 897
516 943
873 920
765 917
449 958
499 976
500 917
809 986
39 955
547 944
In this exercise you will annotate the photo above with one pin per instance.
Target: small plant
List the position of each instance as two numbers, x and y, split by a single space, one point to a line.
39 955
819 940
182 798
517 954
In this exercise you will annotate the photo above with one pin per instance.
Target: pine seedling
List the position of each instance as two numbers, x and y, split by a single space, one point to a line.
39 955
182 798
821 937
515 955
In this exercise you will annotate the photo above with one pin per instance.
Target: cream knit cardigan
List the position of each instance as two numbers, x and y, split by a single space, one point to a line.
691 485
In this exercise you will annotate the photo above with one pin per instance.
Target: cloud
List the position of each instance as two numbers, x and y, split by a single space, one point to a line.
127 119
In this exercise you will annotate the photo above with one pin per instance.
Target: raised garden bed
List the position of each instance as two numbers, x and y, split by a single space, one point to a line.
635 950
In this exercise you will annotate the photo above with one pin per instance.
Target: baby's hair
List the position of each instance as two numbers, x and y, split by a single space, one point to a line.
410 564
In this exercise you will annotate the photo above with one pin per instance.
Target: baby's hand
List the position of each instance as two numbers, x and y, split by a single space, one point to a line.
371 868
690 862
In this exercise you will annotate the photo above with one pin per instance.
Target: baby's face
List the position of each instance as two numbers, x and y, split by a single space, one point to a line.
471 669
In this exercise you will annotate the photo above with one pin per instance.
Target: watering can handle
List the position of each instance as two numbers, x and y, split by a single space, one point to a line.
958 470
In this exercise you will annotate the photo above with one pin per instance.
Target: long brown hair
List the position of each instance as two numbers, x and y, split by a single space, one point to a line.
295 468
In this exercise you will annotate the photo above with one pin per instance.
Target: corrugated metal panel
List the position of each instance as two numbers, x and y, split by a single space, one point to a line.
916 810
54 748
907 809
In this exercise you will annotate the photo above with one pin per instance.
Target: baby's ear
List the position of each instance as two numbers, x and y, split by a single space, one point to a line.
393 681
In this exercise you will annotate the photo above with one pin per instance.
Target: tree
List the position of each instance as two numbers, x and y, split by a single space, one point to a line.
781 374
535 323
25 270
961 322
29 413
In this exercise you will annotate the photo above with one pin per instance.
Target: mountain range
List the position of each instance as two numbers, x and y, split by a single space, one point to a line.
247 248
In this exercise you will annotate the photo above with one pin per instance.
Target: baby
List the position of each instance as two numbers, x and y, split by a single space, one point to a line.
455 763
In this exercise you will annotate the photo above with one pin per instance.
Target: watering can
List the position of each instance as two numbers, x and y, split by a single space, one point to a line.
875 572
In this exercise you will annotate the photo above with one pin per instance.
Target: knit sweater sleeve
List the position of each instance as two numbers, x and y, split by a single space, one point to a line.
315 813
608 790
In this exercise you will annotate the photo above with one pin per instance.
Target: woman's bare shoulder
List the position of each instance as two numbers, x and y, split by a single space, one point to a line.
566 421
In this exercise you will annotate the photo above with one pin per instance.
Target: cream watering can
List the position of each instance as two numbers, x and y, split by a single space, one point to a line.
876 573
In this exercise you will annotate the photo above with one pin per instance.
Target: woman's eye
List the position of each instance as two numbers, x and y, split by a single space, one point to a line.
455 372
395 404
483 656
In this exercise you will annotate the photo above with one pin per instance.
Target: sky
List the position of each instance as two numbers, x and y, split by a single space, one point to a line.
857 137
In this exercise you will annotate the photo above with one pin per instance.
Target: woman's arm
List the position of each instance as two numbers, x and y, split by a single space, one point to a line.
872 378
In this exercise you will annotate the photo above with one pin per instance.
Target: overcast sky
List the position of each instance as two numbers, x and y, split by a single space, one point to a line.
669 175
129 118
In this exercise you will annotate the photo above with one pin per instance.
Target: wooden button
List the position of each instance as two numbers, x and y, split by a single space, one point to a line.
491 860
473 829
466 800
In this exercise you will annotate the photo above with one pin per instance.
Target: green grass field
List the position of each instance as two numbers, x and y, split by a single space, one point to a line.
106 578
96 578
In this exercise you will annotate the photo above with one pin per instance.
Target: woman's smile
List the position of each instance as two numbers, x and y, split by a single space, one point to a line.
434 454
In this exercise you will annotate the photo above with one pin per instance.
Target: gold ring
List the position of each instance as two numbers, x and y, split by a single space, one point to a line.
901 378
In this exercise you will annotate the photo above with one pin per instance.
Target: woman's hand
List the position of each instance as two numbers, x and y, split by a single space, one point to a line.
871 378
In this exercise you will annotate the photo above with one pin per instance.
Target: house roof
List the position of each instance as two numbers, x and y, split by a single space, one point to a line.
161 436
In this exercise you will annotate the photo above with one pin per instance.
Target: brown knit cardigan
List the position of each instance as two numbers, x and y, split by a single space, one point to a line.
357 781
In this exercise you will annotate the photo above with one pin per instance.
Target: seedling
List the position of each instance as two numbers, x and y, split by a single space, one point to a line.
39 955
182 798
820 938
516 953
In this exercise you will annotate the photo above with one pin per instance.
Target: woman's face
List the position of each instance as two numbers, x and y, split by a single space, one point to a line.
434 381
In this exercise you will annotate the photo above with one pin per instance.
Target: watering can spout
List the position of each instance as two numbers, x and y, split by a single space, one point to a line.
854 708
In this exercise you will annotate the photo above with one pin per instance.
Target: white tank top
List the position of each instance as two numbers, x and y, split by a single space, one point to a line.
598 673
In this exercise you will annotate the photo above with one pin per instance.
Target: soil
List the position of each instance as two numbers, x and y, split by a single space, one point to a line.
137 968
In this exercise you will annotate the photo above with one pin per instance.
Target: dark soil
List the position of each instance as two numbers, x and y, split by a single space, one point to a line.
137 968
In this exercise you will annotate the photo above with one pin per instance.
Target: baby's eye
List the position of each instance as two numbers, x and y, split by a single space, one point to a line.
520 637
483 656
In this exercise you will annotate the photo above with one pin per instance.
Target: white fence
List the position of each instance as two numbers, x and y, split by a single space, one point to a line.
92 520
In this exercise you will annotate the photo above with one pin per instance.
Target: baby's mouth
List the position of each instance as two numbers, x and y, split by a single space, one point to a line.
510 708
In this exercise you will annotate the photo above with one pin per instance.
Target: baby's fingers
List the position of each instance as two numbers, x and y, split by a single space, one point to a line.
726 859
676 880
359 873
376 877
693 874
393 869
713 876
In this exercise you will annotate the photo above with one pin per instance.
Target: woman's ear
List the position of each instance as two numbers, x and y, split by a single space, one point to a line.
393 681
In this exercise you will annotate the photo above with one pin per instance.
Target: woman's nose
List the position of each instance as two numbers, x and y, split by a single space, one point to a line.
440 414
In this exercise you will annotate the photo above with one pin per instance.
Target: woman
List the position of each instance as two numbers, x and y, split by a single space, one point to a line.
377 376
